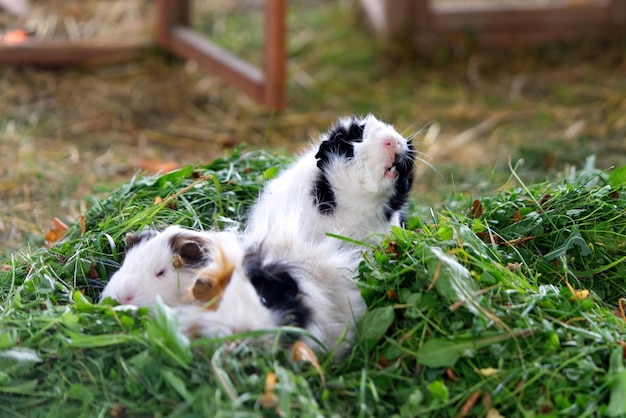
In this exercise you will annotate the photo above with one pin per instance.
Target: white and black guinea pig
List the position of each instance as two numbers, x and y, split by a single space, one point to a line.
353 182
161 263
248 289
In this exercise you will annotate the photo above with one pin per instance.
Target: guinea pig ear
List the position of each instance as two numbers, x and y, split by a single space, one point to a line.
339 140
131 239
191 249
212 281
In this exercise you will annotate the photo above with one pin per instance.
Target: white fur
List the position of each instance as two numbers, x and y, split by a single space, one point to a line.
136 282
287 226
324 278
238 310
362 187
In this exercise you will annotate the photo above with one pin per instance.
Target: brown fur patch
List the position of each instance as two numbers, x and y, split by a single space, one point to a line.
212 281
190 249
131 239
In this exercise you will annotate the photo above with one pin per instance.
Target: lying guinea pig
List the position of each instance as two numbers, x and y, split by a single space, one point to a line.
162 263
247 289
219 287
353 182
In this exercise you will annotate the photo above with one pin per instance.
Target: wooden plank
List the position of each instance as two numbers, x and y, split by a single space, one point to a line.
58 52
507 25
586 15
187 44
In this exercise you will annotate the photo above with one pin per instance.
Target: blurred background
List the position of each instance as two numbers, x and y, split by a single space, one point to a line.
71 133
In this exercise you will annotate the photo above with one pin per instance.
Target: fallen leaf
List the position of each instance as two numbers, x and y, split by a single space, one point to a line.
548 160
56 232
514 266
487 371
469 404
268 398
93 272
83 224
157 200
302 352
488 237
477 209
545 198
382 362
620 312
270 382
15 37
517 241
118 411
493 413
577 294
392 294
158 166
450 373
581 294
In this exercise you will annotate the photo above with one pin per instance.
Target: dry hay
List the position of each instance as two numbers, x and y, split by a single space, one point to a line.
66 132
79 20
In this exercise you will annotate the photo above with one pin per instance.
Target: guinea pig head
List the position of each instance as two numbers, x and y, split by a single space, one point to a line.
364 163
159 263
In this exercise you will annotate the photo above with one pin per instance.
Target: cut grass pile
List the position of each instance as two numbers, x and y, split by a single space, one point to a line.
499 305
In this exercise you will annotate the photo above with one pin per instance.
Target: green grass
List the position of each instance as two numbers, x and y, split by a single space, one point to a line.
454 312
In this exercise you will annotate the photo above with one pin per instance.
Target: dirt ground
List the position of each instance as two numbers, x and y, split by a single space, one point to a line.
69 134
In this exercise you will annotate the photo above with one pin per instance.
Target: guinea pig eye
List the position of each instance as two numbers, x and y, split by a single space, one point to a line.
263 301
160 273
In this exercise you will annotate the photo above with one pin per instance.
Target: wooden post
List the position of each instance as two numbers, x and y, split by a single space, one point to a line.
275 57
266 86
170 13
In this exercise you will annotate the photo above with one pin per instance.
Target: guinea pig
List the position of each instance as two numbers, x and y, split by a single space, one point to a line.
250 289
353 182
161 263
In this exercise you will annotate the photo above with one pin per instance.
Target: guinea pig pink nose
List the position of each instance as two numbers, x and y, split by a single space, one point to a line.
127 299
392 143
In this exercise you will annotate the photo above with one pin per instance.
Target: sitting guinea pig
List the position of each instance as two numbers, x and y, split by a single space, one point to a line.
353 182
161 263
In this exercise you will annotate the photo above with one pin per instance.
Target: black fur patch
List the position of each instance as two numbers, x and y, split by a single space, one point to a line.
277 289
323 195
339 142
404 181
193 250
131 239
